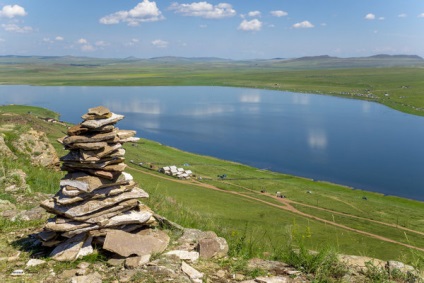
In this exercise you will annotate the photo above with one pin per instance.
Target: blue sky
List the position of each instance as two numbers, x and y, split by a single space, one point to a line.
236 29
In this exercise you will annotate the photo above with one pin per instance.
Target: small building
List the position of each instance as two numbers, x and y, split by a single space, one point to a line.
180 173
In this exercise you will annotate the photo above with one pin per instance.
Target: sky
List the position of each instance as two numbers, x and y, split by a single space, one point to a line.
233 29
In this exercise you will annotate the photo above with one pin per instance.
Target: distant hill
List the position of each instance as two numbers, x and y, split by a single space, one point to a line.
301 63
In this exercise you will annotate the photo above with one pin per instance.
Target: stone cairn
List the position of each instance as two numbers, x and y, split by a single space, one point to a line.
98 203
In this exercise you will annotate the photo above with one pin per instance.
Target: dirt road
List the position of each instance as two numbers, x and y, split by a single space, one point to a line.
287 205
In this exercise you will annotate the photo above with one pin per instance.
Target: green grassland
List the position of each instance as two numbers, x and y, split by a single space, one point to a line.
254 222
392 81
315 214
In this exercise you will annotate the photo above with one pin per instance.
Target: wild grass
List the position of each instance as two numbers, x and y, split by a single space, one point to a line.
254 228
399 86
233 214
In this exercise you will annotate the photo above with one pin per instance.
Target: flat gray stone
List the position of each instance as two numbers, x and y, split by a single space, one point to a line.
125 134
194 274
109 137
90 206
137 261
101 193
88 146
212 247
129 217
93 124
69 249
102 152
109 212
35 262
65 224
184 255
88 183
273 279
99 112
126 244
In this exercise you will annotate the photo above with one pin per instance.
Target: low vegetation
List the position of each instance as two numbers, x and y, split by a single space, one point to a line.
242 206
389 80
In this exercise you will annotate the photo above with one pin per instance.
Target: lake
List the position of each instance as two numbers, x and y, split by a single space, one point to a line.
355 143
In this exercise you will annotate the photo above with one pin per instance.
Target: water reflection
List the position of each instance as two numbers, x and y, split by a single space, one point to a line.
356 143
317 139
135 105
207 110
301 99
366 107
250 98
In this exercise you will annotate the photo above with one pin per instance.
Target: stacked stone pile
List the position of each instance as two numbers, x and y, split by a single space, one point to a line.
97 200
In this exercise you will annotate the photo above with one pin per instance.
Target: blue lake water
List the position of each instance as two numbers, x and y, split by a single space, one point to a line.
355 143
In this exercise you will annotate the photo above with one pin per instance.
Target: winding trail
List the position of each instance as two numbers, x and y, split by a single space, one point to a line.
287 205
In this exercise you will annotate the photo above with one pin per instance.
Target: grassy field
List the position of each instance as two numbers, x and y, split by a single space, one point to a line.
315 214
261 213
397 83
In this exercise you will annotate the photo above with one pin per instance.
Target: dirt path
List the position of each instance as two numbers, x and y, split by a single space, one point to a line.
288 202
286 205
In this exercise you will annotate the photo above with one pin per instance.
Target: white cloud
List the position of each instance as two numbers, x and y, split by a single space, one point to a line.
145 11
204 10
203 26
102 43
279 13
59 38
88 48
403 15
85 45
160 43
16 28
254 14
304 24
381 18
421 15
253 25
82 41
11 11
370 17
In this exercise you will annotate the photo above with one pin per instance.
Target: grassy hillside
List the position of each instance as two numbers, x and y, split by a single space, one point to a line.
395 81
314 214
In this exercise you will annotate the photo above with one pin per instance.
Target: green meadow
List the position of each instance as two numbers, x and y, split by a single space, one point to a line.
242 207
392 81
260 215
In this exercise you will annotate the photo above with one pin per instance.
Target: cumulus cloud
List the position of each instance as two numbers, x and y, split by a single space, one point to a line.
85 45
304 24
59 38
254 14
403 15
279 13
145 11
160 43
204 10
253 25
369 16
16 28
88 48
82 41
101 43
11 11
421 15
